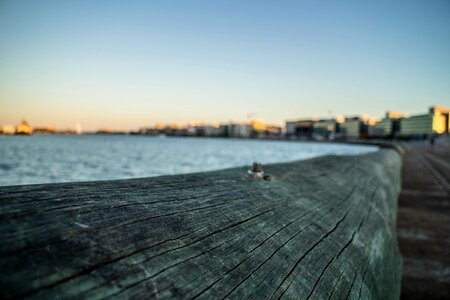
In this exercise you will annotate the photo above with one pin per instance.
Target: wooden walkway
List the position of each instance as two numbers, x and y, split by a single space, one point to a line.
424 222
319 229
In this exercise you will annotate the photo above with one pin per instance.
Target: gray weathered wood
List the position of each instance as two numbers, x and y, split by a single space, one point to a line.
319 229
423 225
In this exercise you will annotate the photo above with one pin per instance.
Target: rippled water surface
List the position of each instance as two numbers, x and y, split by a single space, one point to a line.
42 159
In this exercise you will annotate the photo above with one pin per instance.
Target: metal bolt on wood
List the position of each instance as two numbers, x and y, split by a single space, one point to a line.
256 171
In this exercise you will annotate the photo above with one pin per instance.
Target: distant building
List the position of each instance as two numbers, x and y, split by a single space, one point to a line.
206 130
388 127
259 125
45 130
319 129
99 131
24 128
176 130
436 121
355 127
273 132
262 130
238 130
7 129
324 129
145 131
291 128
302 128
377 129
71 131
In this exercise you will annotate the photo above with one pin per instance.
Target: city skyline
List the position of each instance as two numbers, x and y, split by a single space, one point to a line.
113 65
258 124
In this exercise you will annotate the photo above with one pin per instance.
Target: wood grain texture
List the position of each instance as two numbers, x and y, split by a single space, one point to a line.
423 222
319 229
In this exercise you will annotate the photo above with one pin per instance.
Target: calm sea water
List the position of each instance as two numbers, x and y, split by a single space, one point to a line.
43 159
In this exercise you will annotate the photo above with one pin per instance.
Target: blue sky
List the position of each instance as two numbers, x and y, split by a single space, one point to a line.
127 64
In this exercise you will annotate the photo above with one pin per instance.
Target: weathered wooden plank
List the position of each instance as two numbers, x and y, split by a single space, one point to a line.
424 222
322 228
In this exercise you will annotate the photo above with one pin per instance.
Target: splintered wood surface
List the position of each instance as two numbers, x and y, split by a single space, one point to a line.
319 229
424 222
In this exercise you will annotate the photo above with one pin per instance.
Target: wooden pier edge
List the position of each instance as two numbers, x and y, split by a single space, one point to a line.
323 228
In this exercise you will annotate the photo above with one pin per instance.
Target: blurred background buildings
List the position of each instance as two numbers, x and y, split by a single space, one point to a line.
393 125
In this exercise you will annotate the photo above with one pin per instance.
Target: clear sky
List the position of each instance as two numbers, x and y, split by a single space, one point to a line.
128 64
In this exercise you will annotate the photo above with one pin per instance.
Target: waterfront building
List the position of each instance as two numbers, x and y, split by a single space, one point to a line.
260 129
302 128
388 127
312 128
377 129
45 130
170 129
73 131
436 121
259 125
99 131
7 129
24 128
355 127
324 129
264 131
205 130
146 131
290 128
274 132
238 130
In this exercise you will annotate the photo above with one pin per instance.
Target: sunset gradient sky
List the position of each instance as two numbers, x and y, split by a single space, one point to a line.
128 64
